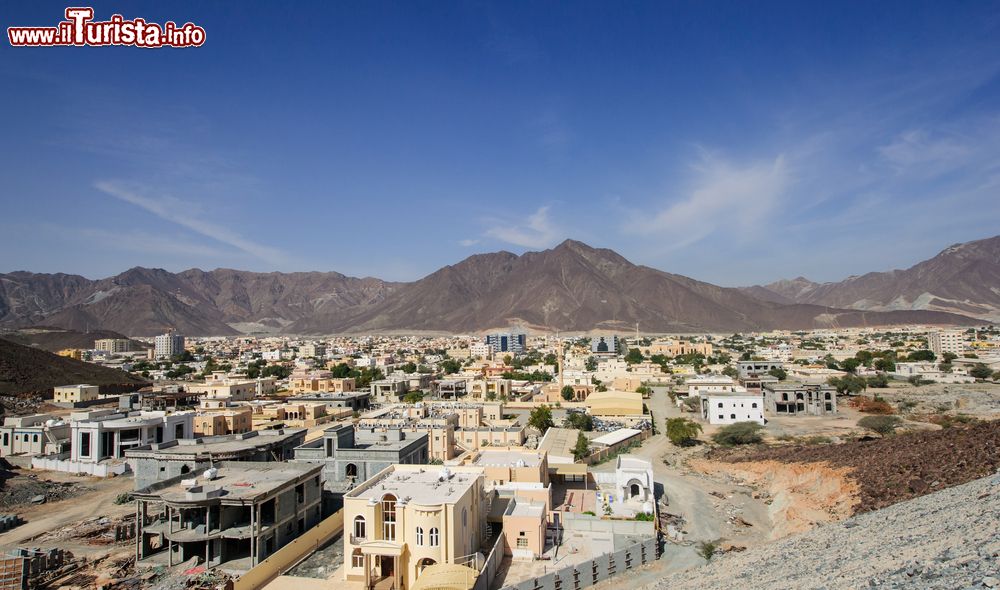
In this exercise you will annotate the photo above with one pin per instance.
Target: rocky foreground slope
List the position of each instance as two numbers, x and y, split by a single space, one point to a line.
945 540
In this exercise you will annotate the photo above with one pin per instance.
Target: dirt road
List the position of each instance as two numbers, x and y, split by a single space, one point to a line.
97 501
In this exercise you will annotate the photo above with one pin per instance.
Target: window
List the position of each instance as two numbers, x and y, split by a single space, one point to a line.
357 559
721 417
720 404
465 518
359 527
732 416
434 537
420 536
351 471
753 405
84 444
34 438
389 517
522 541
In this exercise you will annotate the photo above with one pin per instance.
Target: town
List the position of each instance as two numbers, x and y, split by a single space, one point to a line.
508 460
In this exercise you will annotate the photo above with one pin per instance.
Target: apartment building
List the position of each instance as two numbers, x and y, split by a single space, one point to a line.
946 341
312 350
710 384
231 517
750 369
168 345
113 345
512 342
409 517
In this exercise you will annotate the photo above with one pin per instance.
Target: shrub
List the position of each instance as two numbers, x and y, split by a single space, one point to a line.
817 440
883 425
645 516
682 432
741 433
706 549
871 405
123 498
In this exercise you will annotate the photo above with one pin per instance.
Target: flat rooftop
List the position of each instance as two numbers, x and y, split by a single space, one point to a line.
622 434
430 486
508 458
237 481
232 443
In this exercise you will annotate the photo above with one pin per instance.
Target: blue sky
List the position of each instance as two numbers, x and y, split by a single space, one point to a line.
732 142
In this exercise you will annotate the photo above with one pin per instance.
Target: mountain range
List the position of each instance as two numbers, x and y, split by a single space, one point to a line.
962 279
572 287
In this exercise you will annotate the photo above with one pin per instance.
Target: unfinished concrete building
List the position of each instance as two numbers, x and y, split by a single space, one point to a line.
349 457
163 461
783 399
231 518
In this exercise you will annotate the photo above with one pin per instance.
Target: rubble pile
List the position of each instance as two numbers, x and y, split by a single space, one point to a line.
20 490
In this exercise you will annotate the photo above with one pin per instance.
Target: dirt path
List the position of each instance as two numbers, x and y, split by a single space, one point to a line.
97 501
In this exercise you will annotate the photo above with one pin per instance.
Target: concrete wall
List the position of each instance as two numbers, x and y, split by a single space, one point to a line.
588 573
285 558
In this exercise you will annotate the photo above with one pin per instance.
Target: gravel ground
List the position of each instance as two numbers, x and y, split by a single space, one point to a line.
945 540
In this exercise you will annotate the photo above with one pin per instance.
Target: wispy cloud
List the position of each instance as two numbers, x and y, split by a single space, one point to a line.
186 215
724 197
537 232
467 243
918 148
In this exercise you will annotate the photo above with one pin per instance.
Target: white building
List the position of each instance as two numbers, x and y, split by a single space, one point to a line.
168 345
730 408
480 349
312 351
105 434
945 341
711 384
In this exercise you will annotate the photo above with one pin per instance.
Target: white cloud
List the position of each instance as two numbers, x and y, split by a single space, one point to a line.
468 242
185 215
538 232
917 148
725 197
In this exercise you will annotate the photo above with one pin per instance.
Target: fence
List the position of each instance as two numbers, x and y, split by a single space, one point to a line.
489 571
587 573
60 463
285 558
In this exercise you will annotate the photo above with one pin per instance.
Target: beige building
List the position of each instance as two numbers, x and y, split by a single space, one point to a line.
942 341
113 345
68 394
225 420
679 347
409 517
320 381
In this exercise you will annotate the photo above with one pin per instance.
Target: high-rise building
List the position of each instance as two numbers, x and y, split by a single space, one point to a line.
168 345
113 345
945 341
604 344
507 342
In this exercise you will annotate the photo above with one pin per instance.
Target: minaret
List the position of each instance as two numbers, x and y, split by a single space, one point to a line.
561 352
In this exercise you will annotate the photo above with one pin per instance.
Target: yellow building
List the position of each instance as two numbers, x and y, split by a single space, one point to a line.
614 403
71 353
68 394
410 517
226 420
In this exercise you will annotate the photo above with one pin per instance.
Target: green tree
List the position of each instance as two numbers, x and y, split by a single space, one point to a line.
682 432
882 425
740 433
850 365
634 356
413 397
865 356
408 368
921 355
582 447
541 418
880 381
980 371
848 384
450 366
885 364
579 421
567 392
778 372
644 390
590 364
730 371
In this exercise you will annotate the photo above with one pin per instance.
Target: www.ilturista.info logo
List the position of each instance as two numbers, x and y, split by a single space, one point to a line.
80 29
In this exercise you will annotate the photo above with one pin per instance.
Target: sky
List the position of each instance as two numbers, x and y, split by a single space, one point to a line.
733 142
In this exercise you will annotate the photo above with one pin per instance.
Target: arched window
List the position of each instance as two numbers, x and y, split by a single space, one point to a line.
359 528
389 517
423 563
420 536
732 416
351 471
35 438
753 405
435 538
828 395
